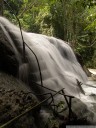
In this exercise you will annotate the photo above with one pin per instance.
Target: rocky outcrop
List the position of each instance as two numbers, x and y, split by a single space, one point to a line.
8 62
15 99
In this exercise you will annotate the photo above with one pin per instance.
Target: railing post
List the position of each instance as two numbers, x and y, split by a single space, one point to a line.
69 103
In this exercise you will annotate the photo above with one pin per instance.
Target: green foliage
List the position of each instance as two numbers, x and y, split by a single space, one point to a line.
44 20
87 55
15 5
57 19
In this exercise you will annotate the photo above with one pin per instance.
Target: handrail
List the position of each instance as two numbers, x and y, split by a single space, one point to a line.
28 110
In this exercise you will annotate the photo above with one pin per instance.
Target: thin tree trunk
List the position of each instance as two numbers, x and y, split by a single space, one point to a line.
1 7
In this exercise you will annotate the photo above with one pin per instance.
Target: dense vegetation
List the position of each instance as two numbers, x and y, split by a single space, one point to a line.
70 20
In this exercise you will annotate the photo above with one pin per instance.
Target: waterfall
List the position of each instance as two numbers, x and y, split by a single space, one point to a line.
59 67
58 64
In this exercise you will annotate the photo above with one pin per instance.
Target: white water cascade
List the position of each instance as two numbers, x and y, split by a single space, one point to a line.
58 64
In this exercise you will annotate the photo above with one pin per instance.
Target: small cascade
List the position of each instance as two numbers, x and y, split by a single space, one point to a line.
23 72
58 64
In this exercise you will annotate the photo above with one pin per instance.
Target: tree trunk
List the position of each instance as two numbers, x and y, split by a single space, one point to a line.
1 7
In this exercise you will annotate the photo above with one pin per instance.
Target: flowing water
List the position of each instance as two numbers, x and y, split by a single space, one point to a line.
58 64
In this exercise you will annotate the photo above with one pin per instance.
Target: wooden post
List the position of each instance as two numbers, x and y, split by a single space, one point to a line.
1 7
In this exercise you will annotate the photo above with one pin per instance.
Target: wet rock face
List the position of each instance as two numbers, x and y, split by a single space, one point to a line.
8 62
